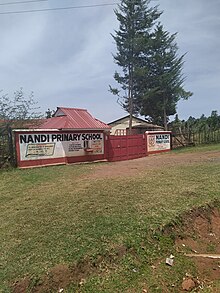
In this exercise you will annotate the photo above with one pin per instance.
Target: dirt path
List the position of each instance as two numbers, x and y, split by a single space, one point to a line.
132 167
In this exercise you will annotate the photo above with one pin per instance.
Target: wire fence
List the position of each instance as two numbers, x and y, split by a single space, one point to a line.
195 138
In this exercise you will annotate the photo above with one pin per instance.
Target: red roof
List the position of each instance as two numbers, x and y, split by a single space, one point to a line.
72 118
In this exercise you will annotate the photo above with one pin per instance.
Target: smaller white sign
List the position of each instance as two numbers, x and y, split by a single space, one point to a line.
45 149
158 142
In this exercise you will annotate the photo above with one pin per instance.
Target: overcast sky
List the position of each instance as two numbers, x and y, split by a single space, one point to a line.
65 56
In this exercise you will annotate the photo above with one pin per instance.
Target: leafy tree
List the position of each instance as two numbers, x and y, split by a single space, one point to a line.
176 124
214 121
163 82
201 124
151 79
49 113
196 125
15 111
136 21
18 108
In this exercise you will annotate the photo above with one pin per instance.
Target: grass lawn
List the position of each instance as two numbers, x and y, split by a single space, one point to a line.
59 215
197 149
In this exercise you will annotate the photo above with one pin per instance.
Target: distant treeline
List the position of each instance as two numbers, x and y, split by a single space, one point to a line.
195 125
195 131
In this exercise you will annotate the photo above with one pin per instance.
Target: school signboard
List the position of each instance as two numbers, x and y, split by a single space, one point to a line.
48 147
158 141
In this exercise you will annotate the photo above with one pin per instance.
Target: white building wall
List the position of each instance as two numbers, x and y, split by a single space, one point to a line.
120 128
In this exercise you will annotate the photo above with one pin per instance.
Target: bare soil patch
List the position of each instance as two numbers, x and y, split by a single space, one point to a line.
58 278
21 286
136 166
61 276
201 241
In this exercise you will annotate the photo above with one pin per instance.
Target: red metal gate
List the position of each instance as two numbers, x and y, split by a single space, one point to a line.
126 147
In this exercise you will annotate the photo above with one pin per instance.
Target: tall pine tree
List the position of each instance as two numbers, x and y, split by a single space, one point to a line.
136 21
162 86
151 79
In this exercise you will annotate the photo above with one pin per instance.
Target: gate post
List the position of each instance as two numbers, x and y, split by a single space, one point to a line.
106 146
11 146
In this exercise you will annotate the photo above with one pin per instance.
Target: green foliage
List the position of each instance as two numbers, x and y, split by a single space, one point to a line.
151 76
136 21
18 108
195 125
15 112
163 82
49 113
196 131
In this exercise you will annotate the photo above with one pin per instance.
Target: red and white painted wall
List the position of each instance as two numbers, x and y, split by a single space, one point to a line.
74 135
52 147
48 147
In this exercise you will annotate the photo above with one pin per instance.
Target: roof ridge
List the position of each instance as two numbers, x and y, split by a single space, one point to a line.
69 108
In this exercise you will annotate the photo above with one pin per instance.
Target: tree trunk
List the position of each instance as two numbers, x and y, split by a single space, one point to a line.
130 97
130 112
11 147
164 115
131 81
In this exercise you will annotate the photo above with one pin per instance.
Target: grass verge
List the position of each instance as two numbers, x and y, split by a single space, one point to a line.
58 215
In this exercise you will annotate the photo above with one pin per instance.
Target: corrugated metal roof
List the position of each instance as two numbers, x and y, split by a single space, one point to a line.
142 121
72 118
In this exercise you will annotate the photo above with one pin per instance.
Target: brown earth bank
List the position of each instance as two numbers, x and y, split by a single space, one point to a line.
200 241
197 238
